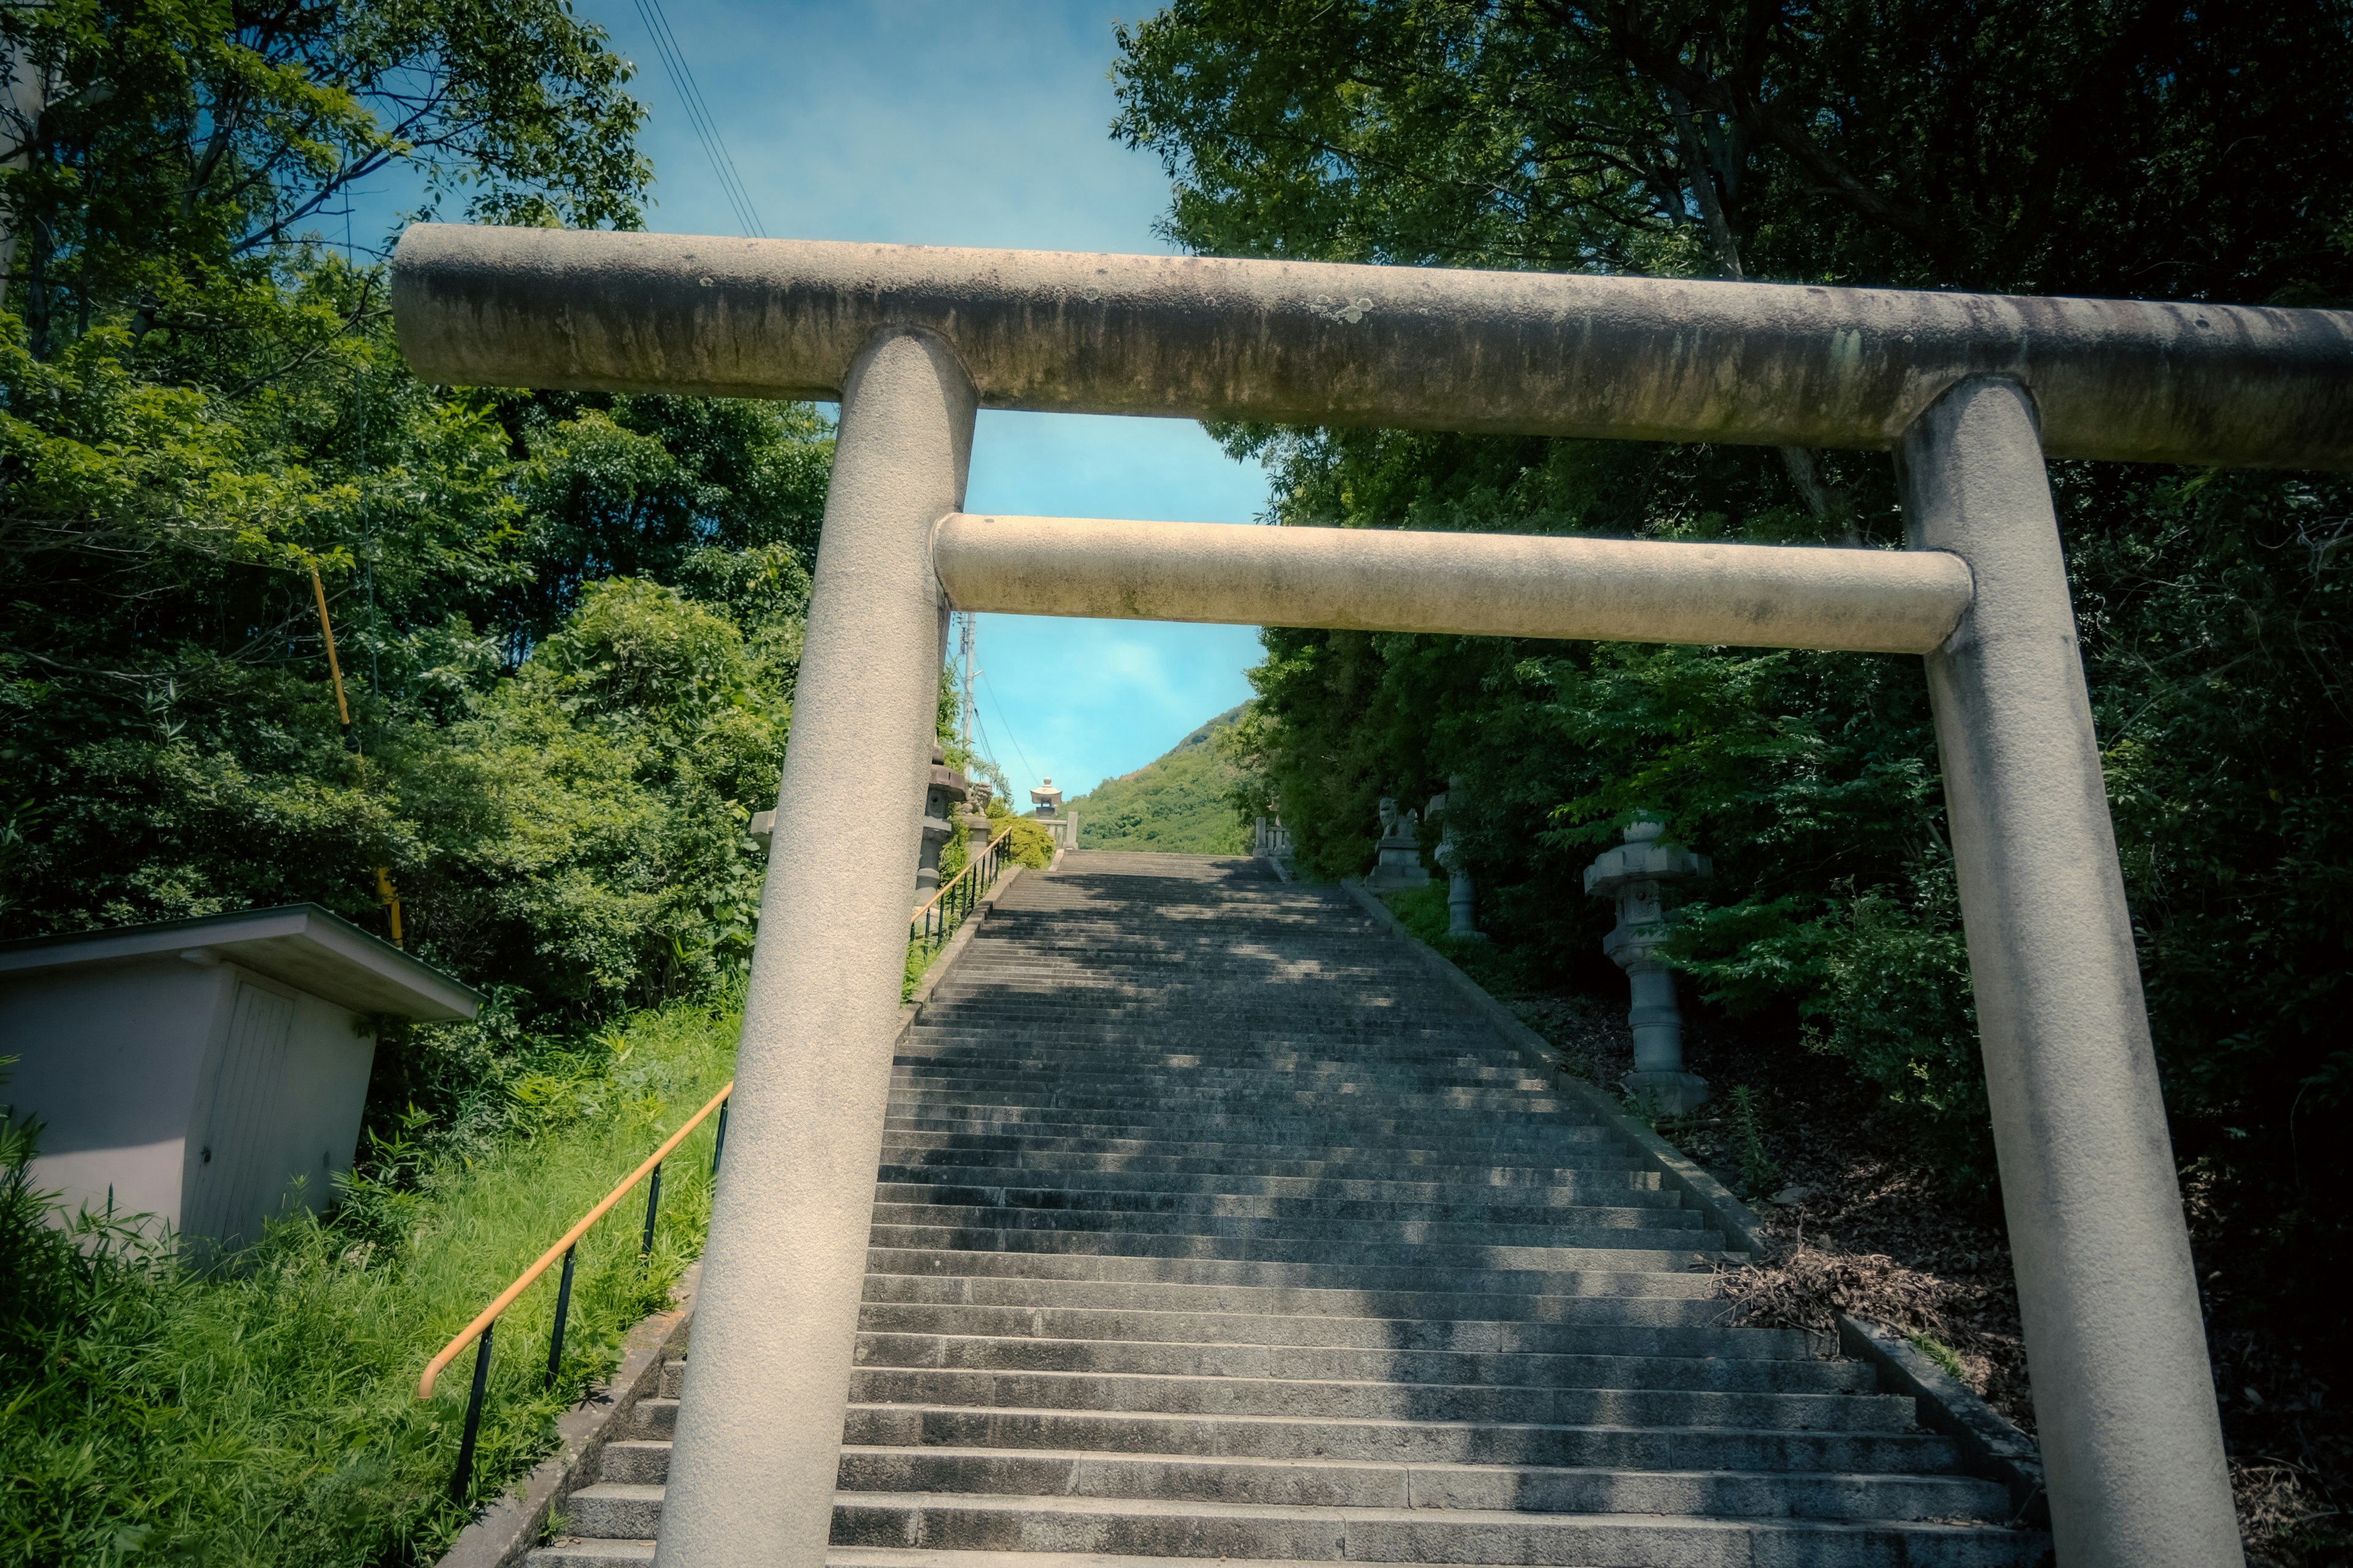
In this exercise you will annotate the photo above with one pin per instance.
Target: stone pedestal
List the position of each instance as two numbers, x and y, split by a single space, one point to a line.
1397 863
1462 896
944 789
1639 874
976 827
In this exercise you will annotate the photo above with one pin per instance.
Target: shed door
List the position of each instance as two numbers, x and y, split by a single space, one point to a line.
239 1173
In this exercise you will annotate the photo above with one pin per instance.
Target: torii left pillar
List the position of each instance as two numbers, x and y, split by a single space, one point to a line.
759 1429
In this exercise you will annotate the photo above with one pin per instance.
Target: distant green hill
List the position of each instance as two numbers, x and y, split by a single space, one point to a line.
1177 805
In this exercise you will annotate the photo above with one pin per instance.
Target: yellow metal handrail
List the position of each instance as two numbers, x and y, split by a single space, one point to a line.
478 1330
522 1282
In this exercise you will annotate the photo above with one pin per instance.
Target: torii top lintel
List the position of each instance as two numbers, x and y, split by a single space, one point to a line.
1309 343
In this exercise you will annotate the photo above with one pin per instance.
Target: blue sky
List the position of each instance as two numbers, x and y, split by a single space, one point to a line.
976 122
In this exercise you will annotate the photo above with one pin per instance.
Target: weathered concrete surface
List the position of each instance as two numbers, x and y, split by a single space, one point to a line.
2122 1395
786 1257
1496 584
1539 353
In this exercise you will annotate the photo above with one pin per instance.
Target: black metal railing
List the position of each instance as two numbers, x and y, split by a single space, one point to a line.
478 1330
937 919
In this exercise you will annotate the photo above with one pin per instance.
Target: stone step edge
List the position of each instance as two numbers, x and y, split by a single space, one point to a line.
1714 1430
1046 1346
1461 1519
1467 1519
1241 1338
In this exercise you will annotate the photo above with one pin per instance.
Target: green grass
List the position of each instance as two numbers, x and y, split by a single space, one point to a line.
265 1415
1943 1355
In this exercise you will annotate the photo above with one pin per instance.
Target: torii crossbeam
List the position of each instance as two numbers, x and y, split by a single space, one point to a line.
1970 393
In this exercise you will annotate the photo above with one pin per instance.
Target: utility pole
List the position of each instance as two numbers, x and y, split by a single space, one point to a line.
965 658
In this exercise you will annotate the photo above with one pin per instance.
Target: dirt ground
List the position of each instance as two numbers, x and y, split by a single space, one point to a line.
1863 1229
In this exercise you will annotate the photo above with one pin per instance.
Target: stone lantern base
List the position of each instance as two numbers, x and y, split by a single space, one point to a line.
1668 1093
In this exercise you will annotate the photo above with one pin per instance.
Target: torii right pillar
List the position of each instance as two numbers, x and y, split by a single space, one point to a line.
2123 1396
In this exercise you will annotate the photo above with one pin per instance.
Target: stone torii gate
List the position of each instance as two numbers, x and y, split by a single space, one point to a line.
1970 393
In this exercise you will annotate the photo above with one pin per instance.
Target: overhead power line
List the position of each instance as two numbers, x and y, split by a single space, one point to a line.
1007 723
700 118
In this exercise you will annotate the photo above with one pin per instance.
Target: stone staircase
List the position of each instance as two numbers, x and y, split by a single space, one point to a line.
1212 1225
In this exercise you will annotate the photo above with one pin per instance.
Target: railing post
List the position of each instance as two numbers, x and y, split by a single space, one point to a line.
2123 1391
563 1307
464 1473
653 1200
719 1141
777 1314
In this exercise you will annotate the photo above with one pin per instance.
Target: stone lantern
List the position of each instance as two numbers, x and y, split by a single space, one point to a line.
1045 800
1462 896
1398 862
944 790
1639 875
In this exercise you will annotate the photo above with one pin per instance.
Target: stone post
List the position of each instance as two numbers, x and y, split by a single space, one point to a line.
759 1423
944 790
2123 1392
1638 875
976 828
1462 896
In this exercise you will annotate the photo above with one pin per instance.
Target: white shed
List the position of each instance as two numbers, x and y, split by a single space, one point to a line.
196 1069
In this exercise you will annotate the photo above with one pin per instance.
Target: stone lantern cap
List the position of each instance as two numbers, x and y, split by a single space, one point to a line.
945 782
1045 797
1643 859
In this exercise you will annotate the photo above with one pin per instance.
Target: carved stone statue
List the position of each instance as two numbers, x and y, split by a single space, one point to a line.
1397 860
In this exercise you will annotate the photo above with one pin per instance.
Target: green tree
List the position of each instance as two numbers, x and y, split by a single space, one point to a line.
2098 148
199 406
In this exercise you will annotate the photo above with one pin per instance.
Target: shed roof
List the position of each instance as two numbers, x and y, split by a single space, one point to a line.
299 945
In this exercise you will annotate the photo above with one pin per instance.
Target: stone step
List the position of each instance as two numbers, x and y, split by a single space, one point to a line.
1138 1392
1271 1133
1585 1225
1410 1440
1596 1272
1268 1100
1352 1483
1388 1335
969 1352
1202 1527
1328 1080
921 1157
1361 1483
1671 1300
912 1557
1616 1250
1274 1120
1110 1036
991 1056
1042 1153
1215 1197
1177 1528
